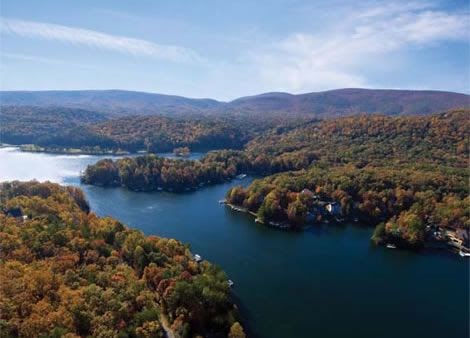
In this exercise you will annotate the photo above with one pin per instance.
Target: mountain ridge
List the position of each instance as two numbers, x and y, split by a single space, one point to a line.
336 102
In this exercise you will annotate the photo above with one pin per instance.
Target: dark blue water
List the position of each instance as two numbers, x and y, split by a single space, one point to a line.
325 282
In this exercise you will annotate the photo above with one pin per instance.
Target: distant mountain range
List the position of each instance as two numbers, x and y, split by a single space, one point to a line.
319 104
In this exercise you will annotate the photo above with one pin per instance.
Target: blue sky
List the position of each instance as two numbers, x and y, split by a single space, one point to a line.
227 49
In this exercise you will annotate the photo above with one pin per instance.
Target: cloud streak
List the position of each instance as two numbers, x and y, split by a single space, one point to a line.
49 61
339 56
94 39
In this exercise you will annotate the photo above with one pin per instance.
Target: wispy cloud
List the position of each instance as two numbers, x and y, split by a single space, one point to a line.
49 61
339 55
100 40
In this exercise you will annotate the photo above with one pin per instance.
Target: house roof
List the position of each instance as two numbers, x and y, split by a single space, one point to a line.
307 191
14 212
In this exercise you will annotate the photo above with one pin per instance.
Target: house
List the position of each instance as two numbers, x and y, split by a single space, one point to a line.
13 212
307 192
310 193
459 238
334 209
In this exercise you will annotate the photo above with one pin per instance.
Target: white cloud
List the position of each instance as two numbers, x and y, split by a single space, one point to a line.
100 40
337 56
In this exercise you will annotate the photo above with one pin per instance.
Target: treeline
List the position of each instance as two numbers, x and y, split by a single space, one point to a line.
405 199
64 272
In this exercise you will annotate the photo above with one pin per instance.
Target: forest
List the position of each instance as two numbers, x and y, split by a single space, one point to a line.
65 272
59 129
73 130
376 140
401 201
402 174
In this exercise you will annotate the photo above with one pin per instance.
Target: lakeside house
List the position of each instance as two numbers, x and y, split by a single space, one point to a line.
334 209
309 193
15 212
458 238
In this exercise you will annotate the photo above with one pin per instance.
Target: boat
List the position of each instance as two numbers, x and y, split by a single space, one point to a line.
222 201
241 176
197 258
230 283
356 219
464 254
391 246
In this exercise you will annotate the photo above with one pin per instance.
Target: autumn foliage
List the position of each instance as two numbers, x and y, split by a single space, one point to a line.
64 272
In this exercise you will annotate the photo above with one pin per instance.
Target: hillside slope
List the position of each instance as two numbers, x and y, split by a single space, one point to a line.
117 102
342 102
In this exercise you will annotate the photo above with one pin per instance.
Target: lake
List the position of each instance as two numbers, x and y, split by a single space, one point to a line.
328 281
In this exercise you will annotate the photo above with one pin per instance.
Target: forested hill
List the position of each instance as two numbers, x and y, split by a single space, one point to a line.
342 102
47 125
59 129
320 104
374 140
65 272
114 102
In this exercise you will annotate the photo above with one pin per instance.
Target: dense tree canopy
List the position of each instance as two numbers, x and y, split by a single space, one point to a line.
375 140
411 196
66 272
68 130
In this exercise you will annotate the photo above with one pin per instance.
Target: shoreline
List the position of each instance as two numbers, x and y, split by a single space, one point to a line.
33 148
430 245
271 224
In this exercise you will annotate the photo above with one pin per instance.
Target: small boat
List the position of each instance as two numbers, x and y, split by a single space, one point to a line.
230 283
391 246
197 258
241 176
356 219
222 201
464 254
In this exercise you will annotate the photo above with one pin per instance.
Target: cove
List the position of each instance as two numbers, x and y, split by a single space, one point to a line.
325 282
